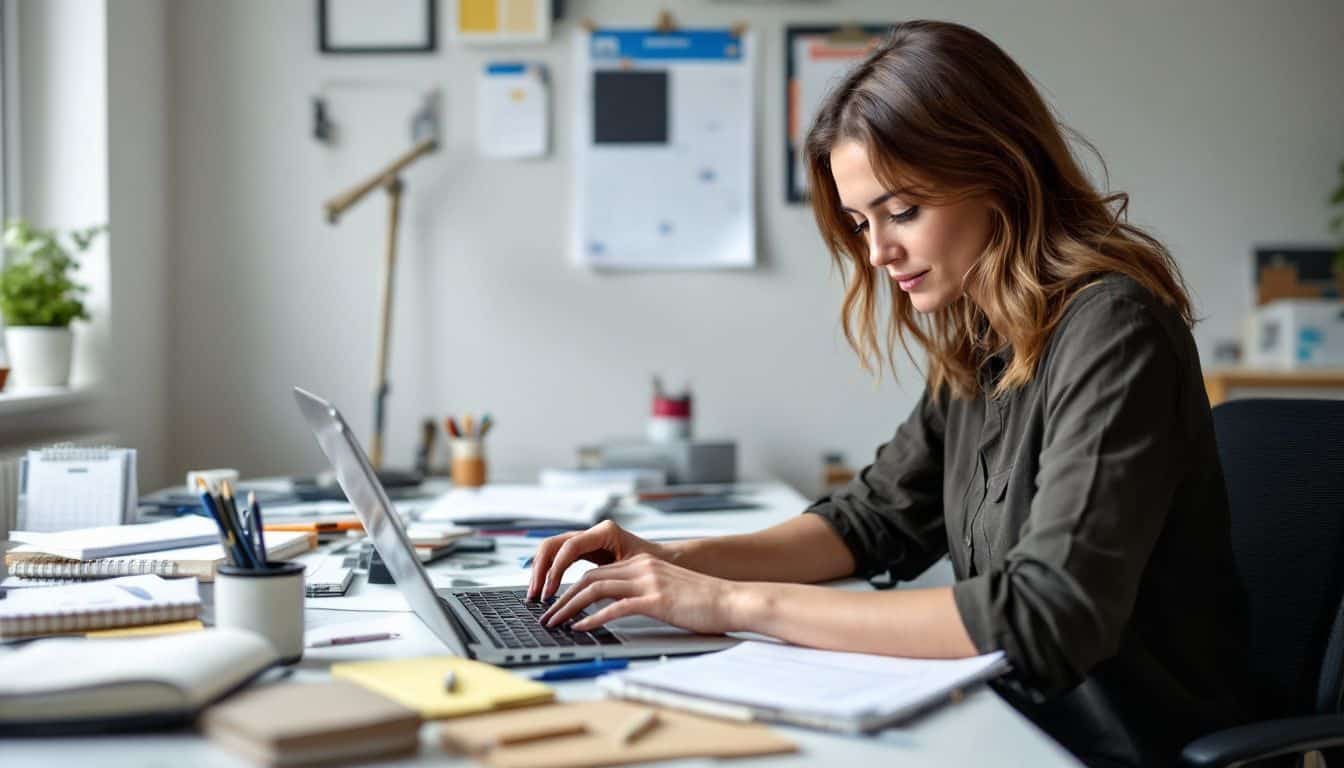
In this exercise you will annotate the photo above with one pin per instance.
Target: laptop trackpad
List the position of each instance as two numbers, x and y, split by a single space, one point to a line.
637 626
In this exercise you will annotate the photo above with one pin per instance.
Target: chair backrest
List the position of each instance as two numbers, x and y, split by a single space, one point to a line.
1283 461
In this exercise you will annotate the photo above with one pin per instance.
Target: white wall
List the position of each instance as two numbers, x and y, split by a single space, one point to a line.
92 133
1222 119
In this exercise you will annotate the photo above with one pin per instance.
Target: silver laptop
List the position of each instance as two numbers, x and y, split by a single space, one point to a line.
494 624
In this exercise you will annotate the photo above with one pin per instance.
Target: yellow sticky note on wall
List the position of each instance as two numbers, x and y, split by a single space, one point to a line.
419 684
477 15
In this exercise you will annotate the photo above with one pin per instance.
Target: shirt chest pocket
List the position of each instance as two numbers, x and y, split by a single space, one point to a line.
988 523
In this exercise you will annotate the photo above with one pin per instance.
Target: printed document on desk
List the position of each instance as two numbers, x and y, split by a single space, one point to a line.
505 504
847 692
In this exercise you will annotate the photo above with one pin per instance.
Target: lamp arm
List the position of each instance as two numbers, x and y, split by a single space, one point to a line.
338 204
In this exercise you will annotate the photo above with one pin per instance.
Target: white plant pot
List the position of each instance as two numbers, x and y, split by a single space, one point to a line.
38 356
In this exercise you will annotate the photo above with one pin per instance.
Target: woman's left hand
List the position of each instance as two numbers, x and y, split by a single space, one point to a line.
647 586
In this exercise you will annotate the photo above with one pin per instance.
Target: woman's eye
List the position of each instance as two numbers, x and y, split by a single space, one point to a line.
860 227
906 215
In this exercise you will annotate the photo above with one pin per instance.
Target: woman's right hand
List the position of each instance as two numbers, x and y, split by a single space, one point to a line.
603 544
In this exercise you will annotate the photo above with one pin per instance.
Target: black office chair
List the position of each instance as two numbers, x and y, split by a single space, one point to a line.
1284 465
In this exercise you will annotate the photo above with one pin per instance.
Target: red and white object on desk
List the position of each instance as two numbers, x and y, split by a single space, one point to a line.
671 417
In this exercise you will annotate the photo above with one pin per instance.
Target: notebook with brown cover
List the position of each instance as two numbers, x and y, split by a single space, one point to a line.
293 724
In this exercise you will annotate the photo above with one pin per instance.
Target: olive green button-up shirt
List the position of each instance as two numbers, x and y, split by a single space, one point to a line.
1085 516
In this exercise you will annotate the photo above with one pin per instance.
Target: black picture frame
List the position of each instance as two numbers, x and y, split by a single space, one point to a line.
791 33
430 44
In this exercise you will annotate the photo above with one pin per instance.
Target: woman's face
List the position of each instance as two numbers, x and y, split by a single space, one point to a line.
925 249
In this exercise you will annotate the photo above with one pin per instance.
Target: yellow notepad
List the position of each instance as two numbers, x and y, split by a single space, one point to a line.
418 684
170 628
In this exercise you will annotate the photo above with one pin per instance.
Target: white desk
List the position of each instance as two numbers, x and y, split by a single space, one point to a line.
980 730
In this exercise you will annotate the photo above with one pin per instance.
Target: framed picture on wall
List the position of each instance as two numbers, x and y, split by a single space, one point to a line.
376 26
816 58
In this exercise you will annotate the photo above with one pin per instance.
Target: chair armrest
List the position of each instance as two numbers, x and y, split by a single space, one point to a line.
1269 738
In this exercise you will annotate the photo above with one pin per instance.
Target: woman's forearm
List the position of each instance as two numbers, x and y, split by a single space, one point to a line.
804 549
920 623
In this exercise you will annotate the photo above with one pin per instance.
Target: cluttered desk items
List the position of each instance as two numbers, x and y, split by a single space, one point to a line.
588 734
311 724
830 690
498 624
66 685
125 602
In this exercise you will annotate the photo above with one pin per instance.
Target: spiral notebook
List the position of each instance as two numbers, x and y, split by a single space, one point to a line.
65 486
34 562
126 602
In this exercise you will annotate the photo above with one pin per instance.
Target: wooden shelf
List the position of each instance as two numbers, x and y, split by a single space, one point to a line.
1218 382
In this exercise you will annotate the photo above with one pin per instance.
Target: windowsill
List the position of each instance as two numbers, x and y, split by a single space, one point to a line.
38 399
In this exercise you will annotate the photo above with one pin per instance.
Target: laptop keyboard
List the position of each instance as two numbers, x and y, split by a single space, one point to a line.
512 621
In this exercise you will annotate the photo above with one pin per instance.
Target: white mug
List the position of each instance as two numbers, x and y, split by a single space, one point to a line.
266 601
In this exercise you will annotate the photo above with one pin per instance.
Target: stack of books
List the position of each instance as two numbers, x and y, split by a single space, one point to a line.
181 547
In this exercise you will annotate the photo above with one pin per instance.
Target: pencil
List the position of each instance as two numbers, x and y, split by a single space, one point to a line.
466 426
486 423
259 529
235 522
638 726
451 426
208 502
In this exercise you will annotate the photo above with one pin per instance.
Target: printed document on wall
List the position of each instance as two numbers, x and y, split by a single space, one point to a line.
665 160
512 106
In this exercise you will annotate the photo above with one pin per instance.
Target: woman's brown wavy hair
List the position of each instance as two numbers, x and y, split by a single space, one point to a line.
946 115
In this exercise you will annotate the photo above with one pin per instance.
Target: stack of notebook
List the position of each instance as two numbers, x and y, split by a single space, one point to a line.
302 724
186 546
127 602
67 685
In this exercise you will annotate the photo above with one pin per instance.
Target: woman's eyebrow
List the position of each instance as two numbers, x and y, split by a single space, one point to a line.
876 201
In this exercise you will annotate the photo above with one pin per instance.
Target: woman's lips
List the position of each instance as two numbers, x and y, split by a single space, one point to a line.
911 283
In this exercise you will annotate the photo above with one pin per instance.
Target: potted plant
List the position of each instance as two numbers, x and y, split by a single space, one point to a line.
39 300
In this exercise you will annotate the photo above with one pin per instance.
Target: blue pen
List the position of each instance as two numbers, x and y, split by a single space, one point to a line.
594 668
526 562
544 533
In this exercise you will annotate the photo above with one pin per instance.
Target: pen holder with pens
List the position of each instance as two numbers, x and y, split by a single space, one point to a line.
468 461
267 601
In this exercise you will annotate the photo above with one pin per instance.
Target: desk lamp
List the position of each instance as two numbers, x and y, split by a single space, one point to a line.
389 180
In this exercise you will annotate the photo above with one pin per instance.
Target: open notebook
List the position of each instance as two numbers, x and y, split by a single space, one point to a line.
66 685
847 692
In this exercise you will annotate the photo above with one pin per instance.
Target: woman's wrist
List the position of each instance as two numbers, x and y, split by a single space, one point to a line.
750 606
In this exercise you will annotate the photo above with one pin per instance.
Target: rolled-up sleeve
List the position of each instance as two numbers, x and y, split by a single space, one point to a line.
1110 461
891 514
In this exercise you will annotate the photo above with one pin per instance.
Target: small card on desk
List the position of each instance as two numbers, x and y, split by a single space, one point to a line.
674 734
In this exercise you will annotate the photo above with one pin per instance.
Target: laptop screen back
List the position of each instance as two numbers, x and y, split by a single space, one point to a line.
360 483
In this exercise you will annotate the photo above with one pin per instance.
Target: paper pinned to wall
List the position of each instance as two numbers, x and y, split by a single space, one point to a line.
512 108
665 157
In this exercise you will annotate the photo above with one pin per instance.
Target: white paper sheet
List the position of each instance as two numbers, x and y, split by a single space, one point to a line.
512 110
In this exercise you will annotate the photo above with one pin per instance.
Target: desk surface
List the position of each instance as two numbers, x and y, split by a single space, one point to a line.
965 733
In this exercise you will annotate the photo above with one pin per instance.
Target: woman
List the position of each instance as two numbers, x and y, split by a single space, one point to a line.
1062 453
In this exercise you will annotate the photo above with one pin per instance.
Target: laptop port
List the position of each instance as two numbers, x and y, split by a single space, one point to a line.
566 655
508 658
525 657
